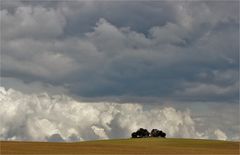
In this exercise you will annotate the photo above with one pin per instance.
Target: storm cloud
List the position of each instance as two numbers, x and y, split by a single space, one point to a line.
149 53
183 56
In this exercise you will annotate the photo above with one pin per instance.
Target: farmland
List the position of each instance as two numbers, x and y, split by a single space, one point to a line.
124 146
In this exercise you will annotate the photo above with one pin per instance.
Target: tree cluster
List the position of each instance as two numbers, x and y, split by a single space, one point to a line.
143 133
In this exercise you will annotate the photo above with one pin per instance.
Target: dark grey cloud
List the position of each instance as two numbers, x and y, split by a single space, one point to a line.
184 51
170 54
83 15
140 16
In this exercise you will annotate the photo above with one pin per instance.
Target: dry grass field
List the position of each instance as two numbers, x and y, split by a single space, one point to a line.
124 146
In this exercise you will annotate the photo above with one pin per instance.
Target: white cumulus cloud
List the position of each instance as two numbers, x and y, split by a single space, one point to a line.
220 134
42 117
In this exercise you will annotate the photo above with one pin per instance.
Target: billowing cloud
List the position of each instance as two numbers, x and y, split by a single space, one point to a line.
41 117
220 135
119 60
186 52
29 22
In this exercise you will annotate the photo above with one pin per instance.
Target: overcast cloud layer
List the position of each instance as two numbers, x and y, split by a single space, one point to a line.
182 54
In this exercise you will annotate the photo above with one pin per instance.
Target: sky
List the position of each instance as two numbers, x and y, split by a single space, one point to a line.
83 70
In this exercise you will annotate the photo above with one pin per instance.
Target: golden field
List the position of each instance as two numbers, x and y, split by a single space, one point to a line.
124 146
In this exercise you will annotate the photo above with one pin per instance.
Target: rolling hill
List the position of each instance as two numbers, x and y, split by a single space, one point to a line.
124 146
